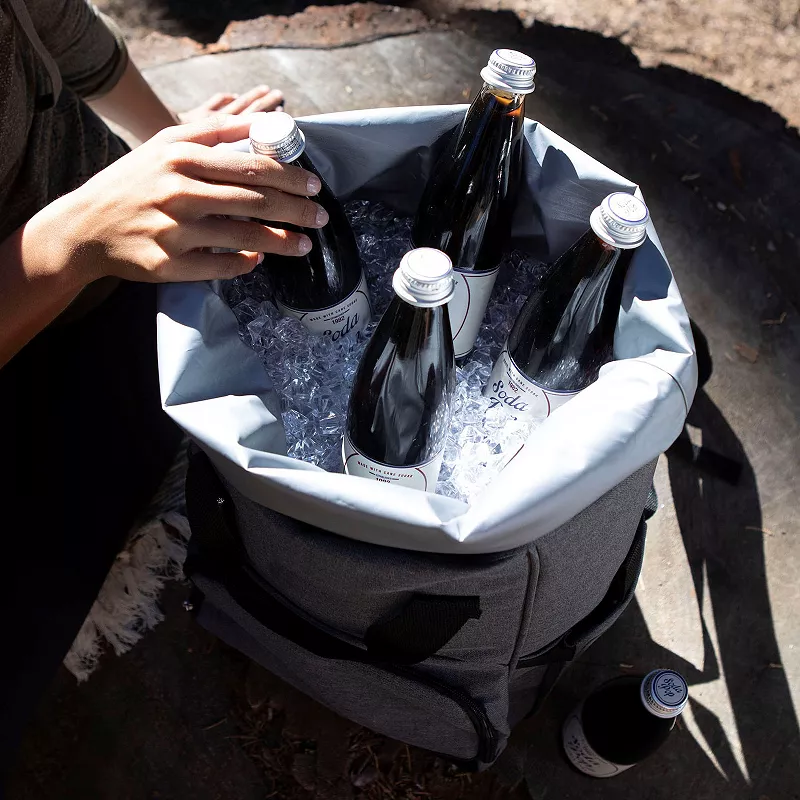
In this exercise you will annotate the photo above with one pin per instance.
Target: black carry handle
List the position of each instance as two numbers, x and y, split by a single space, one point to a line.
713 464
419 630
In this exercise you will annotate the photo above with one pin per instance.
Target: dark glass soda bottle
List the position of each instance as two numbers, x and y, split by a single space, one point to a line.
468 202
401 399
325 289
565 331
623 722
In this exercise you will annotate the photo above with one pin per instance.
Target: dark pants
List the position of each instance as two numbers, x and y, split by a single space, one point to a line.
84 444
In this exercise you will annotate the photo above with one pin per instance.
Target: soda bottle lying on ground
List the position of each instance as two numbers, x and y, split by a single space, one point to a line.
623 722
401 399
325 289
565 330
469 199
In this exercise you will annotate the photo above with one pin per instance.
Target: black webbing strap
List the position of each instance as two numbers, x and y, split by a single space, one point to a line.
713 464
212 547
420 629
710 462
705 364
651 504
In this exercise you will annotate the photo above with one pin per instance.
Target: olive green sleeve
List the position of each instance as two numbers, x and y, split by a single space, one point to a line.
85 44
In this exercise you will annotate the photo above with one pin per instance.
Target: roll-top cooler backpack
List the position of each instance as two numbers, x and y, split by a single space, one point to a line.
437 623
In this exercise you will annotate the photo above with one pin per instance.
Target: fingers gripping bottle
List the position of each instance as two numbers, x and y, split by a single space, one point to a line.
401 400
469 200
326 288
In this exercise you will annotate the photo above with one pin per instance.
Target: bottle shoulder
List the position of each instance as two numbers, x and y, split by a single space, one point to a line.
399 403
618 726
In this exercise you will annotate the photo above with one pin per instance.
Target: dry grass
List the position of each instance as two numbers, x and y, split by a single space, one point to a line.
298 746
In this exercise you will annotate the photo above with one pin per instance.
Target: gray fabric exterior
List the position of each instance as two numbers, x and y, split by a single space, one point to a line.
214 386
539 548
362 693
530 597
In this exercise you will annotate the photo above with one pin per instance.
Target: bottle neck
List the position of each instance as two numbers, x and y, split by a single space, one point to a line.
511 100
419 306
605 268
592 258
414 326
603 248
304 162
302 159
325 197
565 331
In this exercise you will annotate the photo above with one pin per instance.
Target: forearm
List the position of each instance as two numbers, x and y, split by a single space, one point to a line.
132 104
36 285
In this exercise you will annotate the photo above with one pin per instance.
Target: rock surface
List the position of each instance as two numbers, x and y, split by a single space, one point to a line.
752 46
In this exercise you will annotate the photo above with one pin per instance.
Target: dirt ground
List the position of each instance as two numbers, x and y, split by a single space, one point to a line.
752 46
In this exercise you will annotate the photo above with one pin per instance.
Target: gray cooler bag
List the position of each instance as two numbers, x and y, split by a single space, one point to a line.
416 615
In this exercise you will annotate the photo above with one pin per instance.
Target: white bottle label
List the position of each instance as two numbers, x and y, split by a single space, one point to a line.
468 306
346 318
581 754
519 395
421 476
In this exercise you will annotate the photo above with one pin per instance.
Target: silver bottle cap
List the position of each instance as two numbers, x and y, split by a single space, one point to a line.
275 134
424 278
664 693
621 220
510 70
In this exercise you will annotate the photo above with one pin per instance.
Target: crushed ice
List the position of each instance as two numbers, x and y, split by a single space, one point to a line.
313 376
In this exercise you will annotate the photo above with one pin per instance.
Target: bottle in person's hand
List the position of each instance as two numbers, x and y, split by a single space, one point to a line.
401 399
565 331
623 722
469 199
325 289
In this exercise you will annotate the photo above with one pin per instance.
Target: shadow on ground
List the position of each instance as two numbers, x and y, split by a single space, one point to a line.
180 718
742 652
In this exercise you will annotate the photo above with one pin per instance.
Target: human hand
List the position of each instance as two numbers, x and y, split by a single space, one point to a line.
152 215
262 98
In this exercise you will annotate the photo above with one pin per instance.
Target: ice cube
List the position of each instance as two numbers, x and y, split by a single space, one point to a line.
313 377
